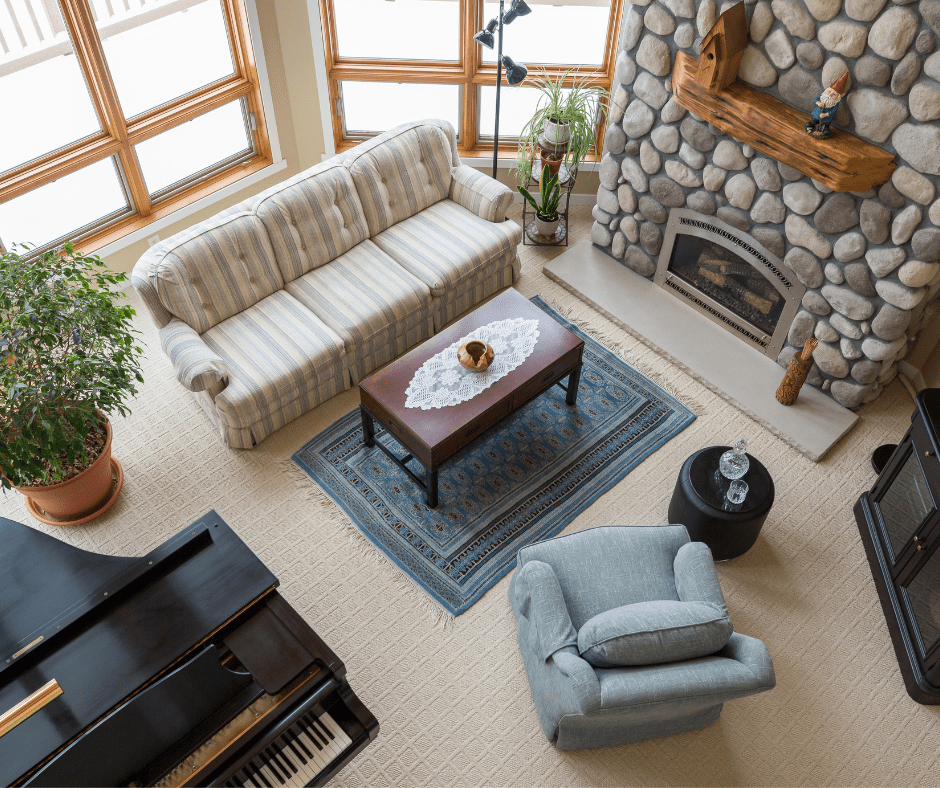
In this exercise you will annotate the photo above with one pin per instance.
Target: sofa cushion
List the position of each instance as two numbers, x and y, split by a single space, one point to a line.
367 298
215 269
401 172
312 218
446 244
650 633
273 351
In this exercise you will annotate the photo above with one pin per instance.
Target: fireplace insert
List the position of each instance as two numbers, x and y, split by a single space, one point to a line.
729 277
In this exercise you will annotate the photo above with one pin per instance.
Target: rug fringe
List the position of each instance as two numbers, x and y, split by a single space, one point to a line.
617 346
313 493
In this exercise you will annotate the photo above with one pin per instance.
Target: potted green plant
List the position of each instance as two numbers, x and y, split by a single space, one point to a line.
69 359
546 210
563 126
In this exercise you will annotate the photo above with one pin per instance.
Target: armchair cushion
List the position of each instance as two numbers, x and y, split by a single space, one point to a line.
652 633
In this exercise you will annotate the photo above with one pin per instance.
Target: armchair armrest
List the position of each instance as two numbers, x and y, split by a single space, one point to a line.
197 366
539 599
753 654
479 193
696 579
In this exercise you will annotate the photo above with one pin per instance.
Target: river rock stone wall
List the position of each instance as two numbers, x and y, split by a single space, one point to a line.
871 260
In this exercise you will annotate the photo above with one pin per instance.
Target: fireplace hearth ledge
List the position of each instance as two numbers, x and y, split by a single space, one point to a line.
710 354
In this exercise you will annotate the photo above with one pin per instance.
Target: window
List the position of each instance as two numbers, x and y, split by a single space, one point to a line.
394 60
118 112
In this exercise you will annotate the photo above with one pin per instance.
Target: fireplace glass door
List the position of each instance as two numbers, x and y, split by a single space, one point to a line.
727 279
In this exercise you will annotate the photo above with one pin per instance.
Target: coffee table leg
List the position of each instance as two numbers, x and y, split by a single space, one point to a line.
368 427
573 379
430 493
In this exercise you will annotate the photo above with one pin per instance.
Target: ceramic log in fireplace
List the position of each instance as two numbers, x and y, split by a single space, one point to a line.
729 277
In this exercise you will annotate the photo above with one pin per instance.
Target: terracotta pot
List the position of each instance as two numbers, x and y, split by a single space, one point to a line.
81 495
553 164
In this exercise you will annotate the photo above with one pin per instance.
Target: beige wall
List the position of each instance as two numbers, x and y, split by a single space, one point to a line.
289 57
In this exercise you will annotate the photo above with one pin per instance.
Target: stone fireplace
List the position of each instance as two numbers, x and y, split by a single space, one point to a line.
730 278
868 262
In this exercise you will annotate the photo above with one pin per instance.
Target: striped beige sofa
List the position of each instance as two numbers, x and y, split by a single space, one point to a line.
286 299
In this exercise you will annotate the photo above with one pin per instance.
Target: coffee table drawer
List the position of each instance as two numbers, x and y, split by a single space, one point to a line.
538 384
471 431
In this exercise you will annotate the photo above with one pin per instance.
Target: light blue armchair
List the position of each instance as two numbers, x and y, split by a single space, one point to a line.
578 586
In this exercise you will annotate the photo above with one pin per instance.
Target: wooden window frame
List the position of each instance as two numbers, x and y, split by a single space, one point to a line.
118 136
469 72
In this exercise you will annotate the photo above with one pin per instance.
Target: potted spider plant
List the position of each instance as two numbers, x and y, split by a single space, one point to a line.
546 210
70 359
563 126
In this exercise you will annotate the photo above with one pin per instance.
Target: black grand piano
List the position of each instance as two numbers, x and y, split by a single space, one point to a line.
184 667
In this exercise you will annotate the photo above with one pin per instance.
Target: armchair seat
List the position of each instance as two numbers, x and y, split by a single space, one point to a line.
561 584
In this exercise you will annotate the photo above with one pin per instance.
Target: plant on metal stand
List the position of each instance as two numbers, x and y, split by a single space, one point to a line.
546 210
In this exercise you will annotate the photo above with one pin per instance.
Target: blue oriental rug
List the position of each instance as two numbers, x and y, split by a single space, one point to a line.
524 480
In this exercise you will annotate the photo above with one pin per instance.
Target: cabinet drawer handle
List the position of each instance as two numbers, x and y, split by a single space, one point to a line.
547 375
471 431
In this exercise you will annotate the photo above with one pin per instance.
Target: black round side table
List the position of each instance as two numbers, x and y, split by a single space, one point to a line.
698 503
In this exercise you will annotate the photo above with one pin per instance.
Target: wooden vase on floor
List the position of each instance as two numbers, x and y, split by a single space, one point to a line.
796 373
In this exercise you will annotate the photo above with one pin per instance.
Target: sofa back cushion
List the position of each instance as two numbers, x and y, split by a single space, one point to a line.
651 633
215 269
402 172
312 218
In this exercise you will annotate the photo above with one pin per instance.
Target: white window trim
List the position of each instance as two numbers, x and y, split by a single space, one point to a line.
278 163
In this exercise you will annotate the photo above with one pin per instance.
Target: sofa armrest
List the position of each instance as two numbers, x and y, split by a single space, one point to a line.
696 579
753 654
479 193
197 366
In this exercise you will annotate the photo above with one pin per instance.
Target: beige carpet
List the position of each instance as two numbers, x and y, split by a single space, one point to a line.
454 704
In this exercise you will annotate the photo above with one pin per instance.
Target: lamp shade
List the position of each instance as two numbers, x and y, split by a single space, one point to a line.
515 72
485 36
518 8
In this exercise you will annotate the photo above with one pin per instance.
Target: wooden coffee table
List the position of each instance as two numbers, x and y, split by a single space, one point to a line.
431 436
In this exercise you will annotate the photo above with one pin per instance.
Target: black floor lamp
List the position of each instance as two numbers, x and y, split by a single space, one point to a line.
515 72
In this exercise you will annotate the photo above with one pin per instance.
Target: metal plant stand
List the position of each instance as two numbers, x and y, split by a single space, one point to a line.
530 236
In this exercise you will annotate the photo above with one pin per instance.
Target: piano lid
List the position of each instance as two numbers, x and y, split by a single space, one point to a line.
41 577
104 645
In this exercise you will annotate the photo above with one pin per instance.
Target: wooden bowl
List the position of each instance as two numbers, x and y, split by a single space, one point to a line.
475 355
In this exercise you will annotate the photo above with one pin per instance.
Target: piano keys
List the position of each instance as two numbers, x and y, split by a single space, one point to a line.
184 667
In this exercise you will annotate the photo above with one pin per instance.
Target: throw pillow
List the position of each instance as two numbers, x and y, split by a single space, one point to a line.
650 633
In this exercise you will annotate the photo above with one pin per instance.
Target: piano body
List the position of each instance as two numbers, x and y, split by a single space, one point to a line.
184 667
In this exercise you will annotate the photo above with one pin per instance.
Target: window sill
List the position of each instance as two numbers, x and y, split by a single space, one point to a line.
204 196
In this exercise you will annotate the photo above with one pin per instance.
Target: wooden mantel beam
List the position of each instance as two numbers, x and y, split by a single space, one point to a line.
843 162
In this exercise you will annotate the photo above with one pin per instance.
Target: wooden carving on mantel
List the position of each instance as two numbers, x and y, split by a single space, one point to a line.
709 87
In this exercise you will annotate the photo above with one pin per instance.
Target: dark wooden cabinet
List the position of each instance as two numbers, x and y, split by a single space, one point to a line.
899 523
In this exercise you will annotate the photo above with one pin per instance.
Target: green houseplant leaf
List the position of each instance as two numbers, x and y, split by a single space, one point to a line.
67 353
581 107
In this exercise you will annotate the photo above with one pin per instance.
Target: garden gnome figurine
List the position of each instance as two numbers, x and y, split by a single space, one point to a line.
826 106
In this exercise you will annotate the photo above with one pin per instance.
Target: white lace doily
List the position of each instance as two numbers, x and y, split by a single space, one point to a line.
442 381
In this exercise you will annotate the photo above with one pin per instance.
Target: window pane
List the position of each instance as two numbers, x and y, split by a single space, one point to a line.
61 208
39 80
516 106
402 30
573 33
378 106
193 147
156 57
